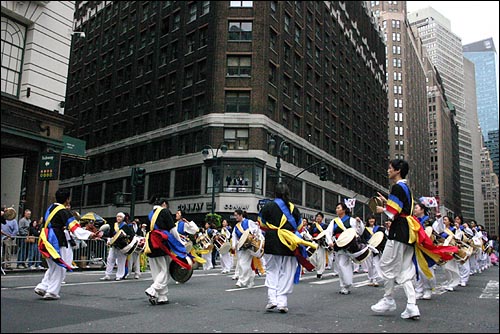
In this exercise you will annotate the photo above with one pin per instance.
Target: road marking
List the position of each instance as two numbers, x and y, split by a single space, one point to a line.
490 291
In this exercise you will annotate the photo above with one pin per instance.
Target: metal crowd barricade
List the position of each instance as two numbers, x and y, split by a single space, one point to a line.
17 253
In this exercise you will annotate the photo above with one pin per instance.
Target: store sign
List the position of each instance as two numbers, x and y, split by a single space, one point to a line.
48 167
191 207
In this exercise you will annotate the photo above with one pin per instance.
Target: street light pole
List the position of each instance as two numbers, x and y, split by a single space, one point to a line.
282 151
223 149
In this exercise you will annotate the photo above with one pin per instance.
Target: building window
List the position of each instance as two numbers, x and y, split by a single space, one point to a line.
237 101
190 41
203 37
241 4
240 31
236 139
238 177
13 41
313 197
159 183
239 66
205 7
188 76
187 182
192 12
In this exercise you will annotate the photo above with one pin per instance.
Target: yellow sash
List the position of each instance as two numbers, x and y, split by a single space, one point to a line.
147 250
339 223
287 237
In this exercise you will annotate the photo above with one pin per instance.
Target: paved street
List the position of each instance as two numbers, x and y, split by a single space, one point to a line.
210 303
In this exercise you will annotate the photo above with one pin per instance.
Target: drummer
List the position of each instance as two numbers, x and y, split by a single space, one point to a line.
336 227
246 274
318 229
423 285
373 261
115 255
226 259
445 227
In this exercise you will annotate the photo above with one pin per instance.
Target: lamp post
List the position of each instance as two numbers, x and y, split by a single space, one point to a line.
282 151
207 149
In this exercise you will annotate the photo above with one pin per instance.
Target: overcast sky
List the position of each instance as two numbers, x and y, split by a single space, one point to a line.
472 21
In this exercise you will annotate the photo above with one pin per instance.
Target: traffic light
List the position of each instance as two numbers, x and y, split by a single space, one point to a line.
140 175
323 173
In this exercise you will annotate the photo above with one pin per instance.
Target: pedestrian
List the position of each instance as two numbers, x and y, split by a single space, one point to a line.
54 246
24 225
226 258
33 252
284 248
164 245
9 234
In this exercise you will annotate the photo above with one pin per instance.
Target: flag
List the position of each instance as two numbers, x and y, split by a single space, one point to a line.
350 202
429 202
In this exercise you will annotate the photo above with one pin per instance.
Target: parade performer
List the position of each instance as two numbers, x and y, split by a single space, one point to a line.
163 245
54 247
284 248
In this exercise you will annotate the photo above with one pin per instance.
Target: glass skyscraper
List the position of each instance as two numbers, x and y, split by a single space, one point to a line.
483 55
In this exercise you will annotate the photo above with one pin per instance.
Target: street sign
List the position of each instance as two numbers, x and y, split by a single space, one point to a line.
74 147
48 168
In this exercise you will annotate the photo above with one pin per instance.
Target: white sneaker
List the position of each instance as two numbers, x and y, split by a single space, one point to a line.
419 295
40 292
250 285
463 284
270 307
137 276
50 296
384 305
411 312
344 291
105 278
427 295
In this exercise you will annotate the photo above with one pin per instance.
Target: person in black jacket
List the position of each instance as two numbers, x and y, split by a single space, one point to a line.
282 268
163 239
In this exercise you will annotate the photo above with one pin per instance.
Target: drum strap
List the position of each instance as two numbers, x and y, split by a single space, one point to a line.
318 226
339 223
370 230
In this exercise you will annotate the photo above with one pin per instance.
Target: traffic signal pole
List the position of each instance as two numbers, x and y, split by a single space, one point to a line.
306 169
132 196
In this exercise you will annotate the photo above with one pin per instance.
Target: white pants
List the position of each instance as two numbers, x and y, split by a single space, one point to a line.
115 255
373 267
423 283
54 276
226 261
280 272
318 259
134 263
464 271
452 273
246 275
208 258
160 274
397 268
344 267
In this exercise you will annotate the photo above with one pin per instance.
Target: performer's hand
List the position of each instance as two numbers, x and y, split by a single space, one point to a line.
382 197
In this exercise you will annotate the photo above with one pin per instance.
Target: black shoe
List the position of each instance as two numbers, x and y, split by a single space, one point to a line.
318 276
163 302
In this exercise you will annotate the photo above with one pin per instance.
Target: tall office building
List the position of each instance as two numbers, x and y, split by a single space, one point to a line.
444 49
35 44
154 82
491 194
406 80
475 135
484 56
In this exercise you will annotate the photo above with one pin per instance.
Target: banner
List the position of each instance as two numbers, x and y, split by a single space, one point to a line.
429 202
350 202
